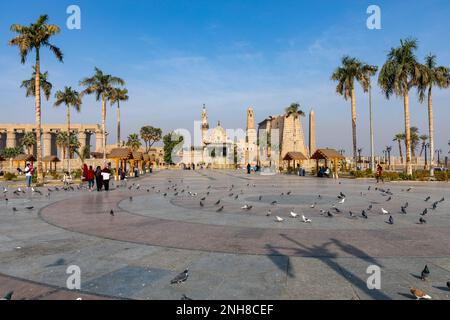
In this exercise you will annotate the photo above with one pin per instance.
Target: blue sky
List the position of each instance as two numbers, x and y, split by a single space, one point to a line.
177 55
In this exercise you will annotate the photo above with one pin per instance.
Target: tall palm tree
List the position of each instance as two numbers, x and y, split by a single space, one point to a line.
133 141
434 76
399 74
414 140
399 137
70 98
34 37
424 139
29 141
352 69
30 88
101 85
62 141
115 96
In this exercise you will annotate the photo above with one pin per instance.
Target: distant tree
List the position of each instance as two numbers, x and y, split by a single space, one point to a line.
424 139
150 135
8 153
399 137
115 96
415 140
133 142
29 141
30 85
170 141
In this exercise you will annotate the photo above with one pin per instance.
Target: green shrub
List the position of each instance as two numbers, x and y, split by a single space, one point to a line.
10 176
441 176
77 174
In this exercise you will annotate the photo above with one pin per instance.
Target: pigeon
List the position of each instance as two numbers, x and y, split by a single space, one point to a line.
29 207
14 209
294 215
185 297
329 214
419 294
165 194
8 296
422 220
131 198
305 220
425 273
342 201
278 219
268 213
260 197
435 205
111 212
363 213
384 211
388 199
231 194
370 207
201 204
282 194
409 189
313 205
424 212
217 202
427 198
175 194
337 210
182 277
247 207
448 284
220 209
403 210
203 198
273 203
289 193
368 189
391 220
319 196
442 200
406 205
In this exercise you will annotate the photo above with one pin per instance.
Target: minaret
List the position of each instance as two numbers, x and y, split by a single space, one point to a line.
251 148
312 133
205 125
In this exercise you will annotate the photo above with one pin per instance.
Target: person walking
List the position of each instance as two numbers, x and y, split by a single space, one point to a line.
106 174
84 174
249 168
99 178
90 178
28 174
379 174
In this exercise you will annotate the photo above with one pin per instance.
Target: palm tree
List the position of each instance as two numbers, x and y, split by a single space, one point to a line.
432 76
34 37
115 96
352 69
414 140
70 98
30 88
74 145
101 85
133 141
29 141
424 139
399 137
62 141
398 75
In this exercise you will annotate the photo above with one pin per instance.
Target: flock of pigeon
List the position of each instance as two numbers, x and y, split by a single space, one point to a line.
177 190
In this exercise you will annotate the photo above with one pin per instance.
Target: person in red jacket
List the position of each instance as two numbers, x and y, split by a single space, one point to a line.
90 178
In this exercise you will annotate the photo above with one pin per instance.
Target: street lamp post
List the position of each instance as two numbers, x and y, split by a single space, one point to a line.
439 151
426 146
388 150
372 146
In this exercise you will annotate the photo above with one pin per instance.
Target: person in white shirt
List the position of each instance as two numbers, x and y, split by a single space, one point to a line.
28 174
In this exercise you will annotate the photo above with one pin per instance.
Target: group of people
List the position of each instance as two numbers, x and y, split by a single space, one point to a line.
100 176
324 172
255 168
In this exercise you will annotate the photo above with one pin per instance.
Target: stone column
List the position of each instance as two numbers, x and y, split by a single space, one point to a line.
98 141
312 133
11 139
47 139
82 139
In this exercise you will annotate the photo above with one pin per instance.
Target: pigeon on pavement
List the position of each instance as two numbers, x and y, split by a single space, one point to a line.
419 294
182 277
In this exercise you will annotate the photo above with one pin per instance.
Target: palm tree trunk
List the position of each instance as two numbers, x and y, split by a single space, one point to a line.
354 127
431 130
400 150
104 127
407 132
37 94
68 138
118 123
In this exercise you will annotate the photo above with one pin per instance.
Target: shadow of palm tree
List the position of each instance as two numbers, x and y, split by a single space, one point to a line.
325 255
280 260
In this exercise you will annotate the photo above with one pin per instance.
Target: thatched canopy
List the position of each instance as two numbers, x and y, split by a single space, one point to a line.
137 155
24 157
50 159
298 156
96 155
121 154
327 154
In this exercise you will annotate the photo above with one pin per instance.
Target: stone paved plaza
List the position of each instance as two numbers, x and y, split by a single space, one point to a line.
232 253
